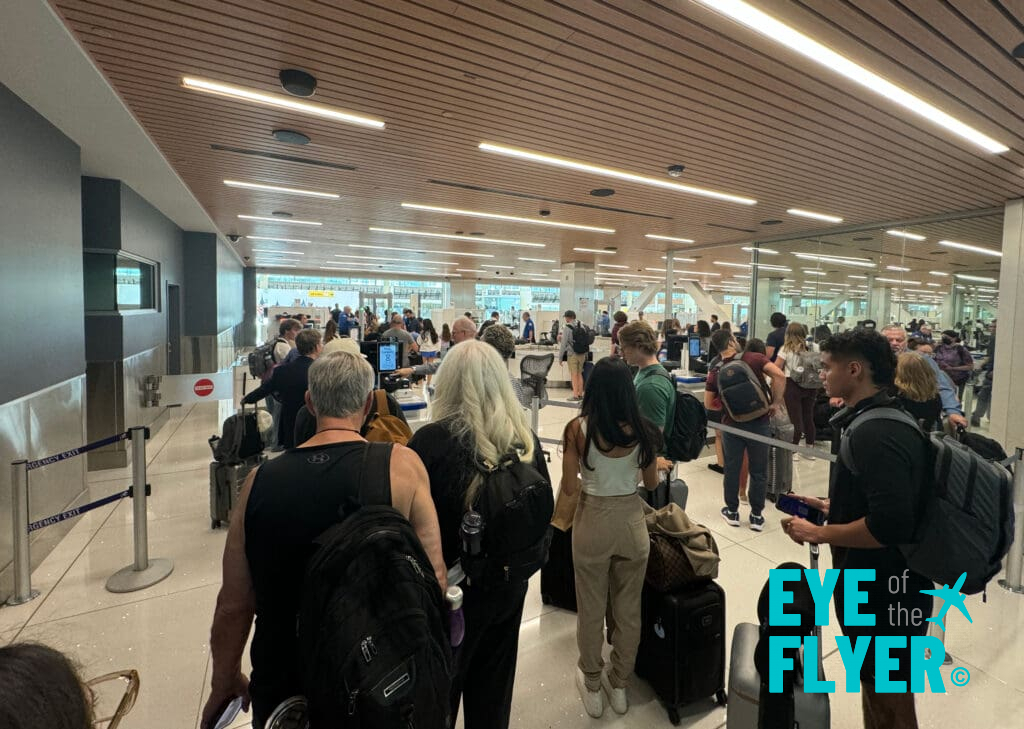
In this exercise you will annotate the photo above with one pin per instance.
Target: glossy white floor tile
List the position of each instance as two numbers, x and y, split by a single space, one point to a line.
163 631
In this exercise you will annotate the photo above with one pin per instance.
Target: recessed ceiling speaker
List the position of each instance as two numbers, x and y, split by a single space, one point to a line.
290 136
676 170
602 192
770 222
297 83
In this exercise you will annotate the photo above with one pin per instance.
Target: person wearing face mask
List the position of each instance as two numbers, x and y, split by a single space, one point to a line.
954 359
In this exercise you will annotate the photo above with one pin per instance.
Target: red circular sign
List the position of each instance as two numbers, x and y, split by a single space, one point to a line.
203 387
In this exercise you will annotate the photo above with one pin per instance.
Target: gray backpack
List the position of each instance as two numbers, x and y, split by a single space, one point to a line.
966 522
806 370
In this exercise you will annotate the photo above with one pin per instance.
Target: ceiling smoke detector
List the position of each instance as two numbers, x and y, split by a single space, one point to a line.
297 83
290 136
676 170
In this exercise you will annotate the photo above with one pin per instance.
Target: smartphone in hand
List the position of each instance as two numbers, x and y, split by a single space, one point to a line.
795 507
226 713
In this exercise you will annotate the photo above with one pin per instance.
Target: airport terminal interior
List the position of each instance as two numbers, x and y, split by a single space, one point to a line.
176 178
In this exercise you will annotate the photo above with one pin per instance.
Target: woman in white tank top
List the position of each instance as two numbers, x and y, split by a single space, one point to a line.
607 451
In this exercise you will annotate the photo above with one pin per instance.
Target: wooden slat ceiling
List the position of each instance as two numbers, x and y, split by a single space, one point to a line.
621 83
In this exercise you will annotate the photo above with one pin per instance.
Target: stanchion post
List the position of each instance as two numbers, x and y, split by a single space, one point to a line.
1015 558
22 565
144 572
535 413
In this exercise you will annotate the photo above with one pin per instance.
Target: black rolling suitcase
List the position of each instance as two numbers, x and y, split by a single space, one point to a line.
671 490
558 575
226 481
682 645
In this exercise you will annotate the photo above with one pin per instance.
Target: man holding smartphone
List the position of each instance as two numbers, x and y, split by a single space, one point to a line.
873 507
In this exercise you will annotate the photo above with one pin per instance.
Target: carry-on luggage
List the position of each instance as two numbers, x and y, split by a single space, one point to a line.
226 481
810 711
671 490
682 645
558 575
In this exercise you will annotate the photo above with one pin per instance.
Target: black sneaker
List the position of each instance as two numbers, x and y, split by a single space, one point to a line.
716 468
732 518
757 522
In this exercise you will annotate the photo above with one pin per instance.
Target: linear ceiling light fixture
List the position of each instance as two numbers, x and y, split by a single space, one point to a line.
836 260
386 258
938 273
815 216
752 249
968 247
932 284
276 265
668 238
598 251
393 249
753 265
768 26
277 240
539 260
904 234
902 282
510 218
282 221
279 253
424 274
284 190
611 265
982 279
897 268
677 259
279 100
452 236
609 172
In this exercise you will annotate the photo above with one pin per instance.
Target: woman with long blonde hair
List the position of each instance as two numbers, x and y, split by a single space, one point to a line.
917 389
477 422
793 358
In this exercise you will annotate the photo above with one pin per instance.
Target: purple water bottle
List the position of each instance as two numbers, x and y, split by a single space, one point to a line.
458 621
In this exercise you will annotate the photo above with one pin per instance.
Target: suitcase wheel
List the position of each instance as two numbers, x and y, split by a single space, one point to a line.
214 523
673 715
720 697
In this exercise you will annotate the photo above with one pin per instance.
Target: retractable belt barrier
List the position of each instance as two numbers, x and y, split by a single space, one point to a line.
142 573
774 442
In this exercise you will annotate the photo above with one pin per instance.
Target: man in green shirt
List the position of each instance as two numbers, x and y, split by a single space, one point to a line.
655 390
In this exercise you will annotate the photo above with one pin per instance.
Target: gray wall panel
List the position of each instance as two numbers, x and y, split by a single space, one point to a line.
200 270
249 334
44 423
40 248
230 297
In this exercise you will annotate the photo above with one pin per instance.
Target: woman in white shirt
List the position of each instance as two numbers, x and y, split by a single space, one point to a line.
429 343
606 451
794 362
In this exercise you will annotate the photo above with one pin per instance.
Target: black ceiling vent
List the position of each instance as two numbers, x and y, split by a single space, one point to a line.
282 214
602 192
297 83
282 157
731 227
864 237
290 136
938 253
770 222
476 232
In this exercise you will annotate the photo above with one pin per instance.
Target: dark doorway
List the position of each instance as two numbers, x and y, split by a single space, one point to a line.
173 329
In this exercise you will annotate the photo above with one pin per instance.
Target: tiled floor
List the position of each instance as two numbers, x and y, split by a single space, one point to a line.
163 631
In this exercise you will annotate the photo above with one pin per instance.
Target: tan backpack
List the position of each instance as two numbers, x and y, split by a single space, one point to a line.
383 427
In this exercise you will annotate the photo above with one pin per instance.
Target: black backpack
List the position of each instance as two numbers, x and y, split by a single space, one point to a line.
744 396
372 625
689 426
516 503
582 338
261 359
966 516
240 438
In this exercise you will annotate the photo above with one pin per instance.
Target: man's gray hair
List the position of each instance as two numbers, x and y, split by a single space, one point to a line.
339 384
464 323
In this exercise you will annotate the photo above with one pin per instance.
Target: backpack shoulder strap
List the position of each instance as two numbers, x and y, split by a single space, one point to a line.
375 475
875 413
381 398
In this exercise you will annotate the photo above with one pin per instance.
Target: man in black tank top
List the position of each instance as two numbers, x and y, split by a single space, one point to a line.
283 507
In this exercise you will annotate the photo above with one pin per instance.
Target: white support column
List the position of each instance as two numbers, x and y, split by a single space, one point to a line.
879 303
769 300
706 305
646 297
833 305
1008 383
668 286
577 291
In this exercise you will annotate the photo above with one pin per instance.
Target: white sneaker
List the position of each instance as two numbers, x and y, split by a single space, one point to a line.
593 701
616 696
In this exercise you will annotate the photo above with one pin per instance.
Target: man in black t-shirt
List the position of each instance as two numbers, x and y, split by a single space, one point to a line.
777 337
873 507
